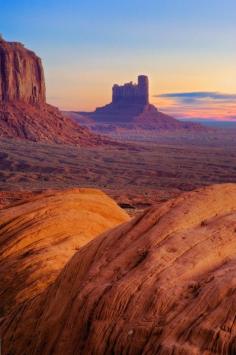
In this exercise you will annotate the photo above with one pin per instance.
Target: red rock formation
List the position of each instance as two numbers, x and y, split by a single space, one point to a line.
44 123
9 198
131 112
132 94
39 236
164 283
21 74
24 113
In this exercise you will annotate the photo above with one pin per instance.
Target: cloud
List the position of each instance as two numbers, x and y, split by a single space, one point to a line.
233 118
196 97
201 104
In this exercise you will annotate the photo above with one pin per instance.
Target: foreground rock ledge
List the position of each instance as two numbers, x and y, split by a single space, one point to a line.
164 283
38 237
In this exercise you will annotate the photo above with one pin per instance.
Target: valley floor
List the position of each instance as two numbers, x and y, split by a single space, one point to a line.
136 177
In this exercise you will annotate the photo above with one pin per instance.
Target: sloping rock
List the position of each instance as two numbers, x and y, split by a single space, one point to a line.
164 283
38 237
44 124
134 116
24 113
10 198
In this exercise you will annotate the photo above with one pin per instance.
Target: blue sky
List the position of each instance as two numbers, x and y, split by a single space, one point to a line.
86 46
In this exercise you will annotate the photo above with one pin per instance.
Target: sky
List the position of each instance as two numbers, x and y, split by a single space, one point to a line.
186 47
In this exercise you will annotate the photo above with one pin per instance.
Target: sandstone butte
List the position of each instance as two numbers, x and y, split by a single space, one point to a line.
24 112
163 283
38 237
131 112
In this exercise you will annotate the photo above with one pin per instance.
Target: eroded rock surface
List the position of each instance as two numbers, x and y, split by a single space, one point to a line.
24 113
21 74
39 236
164 283
44 124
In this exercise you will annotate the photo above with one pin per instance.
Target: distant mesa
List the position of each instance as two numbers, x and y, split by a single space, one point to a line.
132 94
24 113
128 101
130 110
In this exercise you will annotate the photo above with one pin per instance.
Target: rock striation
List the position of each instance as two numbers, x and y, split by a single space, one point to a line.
24 113
39 236
21 74
163 283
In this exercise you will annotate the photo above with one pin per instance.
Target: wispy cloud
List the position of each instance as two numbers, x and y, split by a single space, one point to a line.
196 96
201 104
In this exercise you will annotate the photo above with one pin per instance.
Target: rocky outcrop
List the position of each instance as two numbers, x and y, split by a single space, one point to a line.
21 74
24 113
130 115
8 198
135 123
39 236
44 123
163 283
132 94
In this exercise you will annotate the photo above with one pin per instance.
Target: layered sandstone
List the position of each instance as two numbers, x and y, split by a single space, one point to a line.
39 236
164 283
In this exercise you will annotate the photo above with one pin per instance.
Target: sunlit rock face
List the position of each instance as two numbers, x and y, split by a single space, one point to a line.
39 236
21 74
163 283
24 113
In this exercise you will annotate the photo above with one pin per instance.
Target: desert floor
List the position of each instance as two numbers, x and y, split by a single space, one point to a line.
135 176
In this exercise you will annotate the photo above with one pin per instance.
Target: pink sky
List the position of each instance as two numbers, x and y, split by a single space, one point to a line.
207 106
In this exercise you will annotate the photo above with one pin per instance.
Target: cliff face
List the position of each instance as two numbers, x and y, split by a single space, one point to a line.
24 113
21 74
132 94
